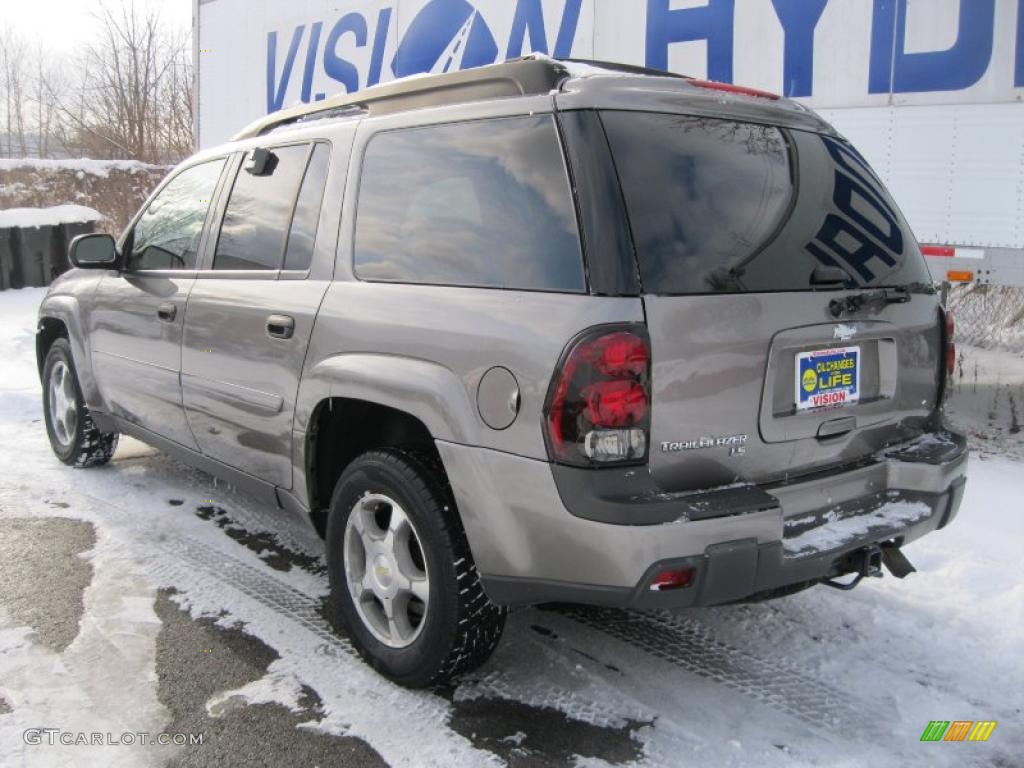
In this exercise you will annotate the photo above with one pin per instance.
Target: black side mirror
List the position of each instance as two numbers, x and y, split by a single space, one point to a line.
93 251
261 162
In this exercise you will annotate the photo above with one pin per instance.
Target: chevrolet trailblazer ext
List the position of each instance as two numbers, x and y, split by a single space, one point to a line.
539 331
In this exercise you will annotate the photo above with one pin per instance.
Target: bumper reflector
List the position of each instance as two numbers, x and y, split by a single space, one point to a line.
677 579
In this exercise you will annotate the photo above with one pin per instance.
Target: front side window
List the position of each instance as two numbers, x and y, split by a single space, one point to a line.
167 234
484 203
722 206
256 220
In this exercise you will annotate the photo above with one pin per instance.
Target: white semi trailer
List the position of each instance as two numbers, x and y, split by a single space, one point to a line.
929 90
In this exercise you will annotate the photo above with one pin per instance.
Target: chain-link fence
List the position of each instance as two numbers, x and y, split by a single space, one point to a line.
988 316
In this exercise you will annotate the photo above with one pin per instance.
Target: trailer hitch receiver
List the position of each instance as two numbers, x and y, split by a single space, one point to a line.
866 561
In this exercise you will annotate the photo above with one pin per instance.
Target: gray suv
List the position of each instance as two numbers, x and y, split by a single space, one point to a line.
540 331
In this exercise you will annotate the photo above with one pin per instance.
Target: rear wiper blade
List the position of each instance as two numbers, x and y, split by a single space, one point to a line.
928 288
857 301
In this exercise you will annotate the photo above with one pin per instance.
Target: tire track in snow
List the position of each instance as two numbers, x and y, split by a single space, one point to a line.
389 718
687 644
264 588
682 642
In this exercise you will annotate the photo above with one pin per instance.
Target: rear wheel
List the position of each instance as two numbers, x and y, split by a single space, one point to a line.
402 576
73 435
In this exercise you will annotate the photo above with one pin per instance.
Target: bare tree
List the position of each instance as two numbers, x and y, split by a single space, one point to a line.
126 72
47 81
13 52
128 103
175 99
129 94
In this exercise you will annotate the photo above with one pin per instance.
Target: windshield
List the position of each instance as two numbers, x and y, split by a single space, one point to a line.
722 206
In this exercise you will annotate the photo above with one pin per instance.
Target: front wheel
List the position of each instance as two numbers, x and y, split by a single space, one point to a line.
402 576
74 437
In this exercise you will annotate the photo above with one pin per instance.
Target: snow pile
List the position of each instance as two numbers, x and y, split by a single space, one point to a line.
22 218
83 165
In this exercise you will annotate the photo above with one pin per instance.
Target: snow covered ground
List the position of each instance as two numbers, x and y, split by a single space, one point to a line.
822 678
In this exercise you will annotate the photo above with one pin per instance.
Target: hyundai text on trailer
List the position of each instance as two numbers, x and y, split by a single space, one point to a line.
538 331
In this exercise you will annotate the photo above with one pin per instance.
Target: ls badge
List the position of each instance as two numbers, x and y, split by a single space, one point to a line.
737 444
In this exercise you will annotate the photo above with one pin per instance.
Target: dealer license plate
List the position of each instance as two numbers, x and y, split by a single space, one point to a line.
827 377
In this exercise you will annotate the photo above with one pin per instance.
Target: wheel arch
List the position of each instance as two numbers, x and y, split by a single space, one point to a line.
48 331
60 316
343 428
358 400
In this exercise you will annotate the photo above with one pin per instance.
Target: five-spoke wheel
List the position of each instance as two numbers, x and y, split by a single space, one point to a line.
63 406
385 570
404 586
74 436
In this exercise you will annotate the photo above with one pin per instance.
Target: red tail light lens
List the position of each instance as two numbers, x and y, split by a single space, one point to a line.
950 347
615 403
598 407
678 579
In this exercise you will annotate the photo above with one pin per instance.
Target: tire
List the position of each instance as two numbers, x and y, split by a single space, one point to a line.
74 437
458 627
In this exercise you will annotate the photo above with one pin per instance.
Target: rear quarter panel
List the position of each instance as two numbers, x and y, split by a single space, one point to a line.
423 349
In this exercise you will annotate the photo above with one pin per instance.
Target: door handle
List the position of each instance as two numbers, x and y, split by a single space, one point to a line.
280 326
167 312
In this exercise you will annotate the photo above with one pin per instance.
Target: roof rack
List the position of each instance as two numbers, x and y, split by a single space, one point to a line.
628 69
517 77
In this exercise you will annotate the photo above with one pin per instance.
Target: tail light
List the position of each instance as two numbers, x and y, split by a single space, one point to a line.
949 347
672 579
598 410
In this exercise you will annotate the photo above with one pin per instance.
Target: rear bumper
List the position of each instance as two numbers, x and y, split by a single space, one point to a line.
529 548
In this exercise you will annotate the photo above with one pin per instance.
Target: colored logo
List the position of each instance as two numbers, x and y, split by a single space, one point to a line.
810 380
446 35
958 730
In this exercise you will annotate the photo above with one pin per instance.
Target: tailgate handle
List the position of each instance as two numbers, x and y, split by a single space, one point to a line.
837 427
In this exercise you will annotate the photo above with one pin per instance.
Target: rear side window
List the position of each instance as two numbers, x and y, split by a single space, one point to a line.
299 253
484 203
723 206
252 235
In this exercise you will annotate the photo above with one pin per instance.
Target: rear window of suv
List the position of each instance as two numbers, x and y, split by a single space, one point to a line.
721 206
485 203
